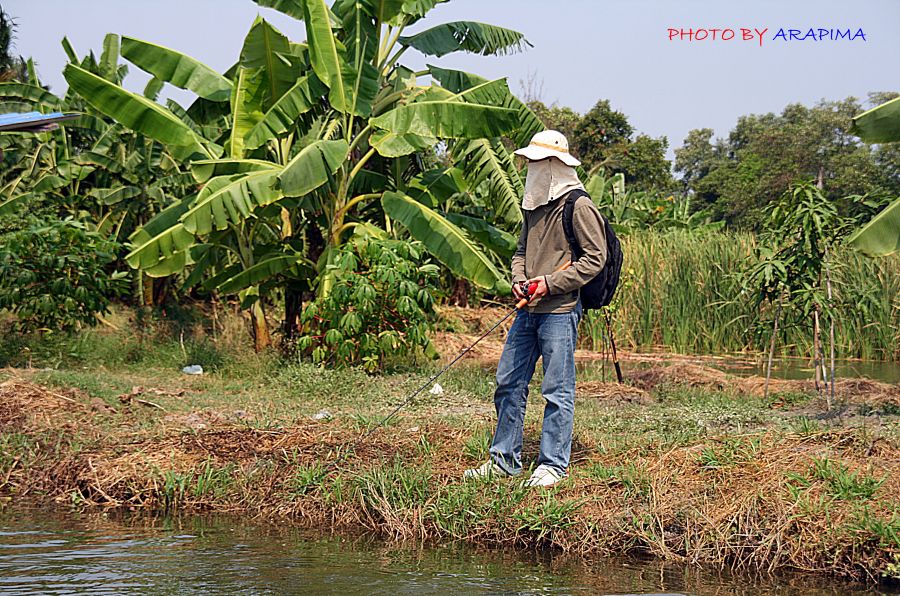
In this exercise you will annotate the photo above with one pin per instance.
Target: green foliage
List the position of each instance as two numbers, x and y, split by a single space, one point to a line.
549 516
791 259
736 177
468 36
728 453
885 532
54 275
635 482
881 236
842 483
294 146
478 445
687 294
392 487
376 309
212 481
629 210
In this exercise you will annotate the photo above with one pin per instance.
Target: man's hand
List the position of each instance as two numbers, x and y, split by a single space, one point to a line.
517 291
541 289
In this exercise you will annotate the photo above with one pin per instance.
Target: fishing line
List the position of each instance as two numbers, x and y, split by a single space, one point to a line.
527 292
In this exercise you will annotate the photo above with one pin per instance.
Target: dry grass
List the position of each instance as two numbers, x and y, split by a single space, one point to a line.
752 501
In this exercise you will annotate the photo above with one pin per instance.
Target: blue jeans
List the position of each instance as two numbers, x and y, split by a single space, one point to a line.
551 336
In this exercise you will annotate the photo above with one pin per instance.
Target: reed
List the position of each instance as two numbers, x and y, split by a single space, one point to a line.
682 292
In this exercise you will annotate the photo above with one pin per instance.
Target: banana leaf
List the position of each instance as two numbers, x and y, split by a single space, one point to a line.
230 199
259 273
246 107
282 116
98 159
389 144
205 169
325 51
488 161
266 48
458 81
176 68
467 36
133 111
447 119
292 8
160 240
111 196
312 167
881 124
446 241
413 11
352 88
109 58
13 204
881 236
30 93
495 239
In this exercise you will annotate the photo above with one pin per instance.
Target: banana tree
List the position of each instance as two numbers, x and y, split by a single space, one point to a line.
319 138
881 236
91 168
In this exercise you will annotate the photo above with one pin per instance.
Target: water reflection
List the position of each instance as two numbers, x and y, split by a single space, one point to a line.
42 553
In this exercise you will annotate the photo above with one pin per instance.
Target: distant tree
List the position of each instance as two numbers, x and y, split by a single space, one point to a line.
555 117
603 140
695 157
765 154
600 133
11 66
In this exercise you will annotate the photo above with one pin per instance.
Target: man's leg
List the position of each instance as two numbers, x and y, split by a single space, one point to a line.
557 334
514 372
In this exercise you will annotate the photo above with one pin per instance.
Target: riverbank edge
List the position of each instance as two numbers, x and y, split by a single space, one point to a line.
762 502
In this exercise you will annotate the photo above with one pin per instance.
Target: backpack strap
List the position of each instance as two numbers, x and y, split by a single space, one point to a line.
568 226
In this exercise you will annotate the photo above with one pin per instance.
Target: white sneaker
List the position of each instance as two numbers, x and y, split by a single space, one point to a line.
544 476
488 469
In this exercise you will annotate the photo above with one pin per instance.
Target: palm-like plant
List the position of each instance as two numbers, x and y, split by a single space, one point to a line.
300 146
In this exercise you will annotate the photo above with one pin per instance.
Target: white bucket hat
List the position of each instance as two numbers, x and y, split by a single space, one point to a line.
548 143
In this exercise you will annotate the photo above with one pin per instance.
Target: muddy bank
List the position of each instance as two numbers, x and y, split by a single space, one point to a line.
822 500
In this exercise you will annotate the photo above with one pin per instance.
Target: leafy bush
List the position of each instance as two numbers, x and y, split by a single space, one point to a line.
53 274
376 308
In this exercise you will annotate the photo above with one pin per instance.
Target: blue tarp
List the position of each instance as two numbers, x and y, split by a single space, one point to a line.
32 121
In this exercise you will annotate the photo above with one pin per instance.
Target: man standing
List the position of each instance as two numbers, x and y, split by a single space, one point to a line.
548 327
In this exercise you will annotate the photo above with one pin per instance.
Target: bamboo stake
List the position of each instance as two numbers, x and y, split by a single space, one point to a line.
817 351
831 319
772 350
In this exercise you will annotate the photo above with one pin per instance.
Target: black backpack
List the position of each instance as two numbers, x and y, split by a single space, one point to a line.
599 291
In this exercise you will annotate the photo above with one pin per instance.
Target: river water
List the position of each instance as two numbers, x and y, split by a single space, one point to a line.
49 553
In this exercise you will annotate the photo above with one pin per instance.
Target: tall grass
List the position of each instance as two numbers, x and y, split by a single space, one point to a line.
681 291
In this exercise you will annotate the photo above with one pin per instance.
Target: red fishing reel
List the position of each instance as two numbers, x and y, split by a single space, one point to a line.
528 289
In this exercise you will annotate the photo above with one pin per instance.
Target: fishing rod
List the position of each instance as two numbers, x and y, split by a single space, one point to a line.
527 292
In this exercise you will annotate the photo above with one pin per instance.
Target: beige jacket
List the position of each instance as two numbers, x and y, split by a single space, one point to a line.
543 249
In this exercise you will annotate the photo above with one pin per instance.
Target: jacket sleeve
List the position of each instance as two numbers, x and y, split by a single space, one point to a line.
518 260
591 235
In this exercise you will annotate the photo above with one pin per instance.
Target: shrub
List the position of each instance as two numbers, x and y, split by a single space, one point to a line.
53 274
376 308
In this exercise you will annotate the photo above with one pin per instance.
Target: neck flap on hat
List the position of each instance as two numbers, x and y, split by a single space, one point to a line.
547 180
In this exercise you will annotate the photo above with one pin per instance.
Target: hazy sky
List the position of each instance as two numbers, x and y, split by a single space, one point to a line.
584 50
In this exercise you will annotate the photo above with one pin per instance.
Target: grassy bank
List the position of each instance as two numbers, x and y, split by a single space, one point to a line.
681 293
686 465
